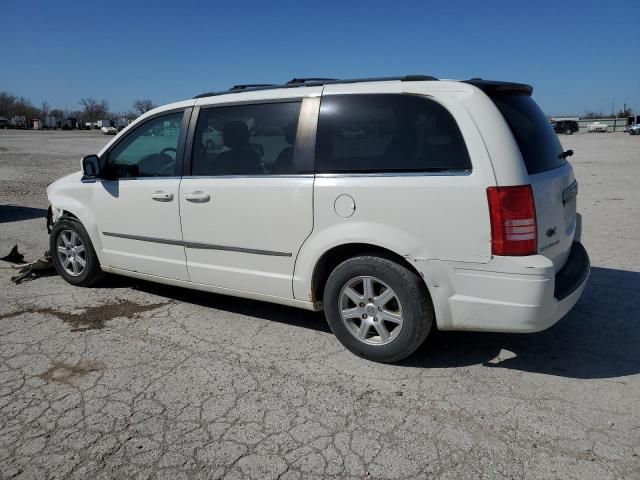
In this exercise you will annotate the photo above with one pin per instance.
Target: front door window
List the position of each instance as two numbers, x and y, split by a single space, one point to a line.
149 151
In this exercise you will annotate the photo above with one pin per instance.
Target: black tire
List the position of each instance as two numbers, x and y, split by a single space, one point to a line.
92 272
568 131
417 308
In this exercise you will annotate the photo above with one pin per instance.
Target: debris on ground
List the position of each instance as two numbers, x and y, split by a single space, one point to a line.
27 271
14 256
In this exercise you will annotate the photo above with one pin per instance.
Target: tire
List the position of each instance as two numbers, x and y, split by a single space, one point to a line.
70 235
408 303
568 131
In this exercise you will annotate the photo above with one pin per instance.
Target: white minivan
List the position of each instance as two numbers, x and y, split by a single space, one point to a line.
453 207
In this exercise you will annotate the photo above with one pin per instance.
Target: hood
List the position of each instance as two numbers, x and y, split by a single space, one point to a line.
61 183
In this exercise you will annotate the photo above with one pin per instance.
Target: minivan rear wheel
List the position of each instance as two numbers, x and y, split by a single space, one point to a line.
73 254
377 308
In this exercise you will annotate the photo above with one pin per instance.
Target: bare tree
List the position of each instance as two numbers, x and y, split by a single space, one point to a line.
143 106
7 103
623 113
592 114
130 115
44 109
94 109
57 113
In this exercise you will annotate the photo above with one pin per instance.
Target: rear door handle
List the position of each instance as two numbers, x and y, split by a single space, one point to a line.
197 197
161 196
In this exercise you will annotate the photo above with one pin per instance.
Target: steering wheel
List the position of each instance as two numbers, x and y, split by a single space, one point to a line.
170 164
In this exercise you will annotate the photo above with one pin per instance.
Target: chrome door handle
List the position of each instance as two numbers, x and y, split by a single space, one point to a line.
197 197
161 196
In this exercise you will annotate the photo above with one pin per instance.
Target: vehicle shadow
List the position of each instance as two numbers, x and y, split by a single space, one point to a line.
15 213
599 338
252 308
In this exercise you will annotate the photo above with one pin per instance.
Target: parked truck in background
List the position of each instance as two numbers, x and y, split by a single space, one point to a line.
121 123
18 121
50 122
69 123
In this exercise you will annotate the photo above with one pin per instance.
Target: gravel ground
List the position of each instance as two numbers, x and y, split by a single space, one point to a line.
136 380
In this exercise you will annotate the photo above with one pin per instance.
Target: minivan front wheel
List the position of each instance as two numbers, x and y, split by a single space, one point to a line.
377 308
73 254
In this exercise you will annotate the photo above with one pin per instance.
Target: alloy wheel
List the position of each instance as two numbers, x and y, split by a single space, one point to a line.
370 310
71 253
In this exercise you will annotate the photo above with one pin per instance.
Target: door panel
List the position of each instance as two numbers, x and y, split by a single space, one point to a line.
136 203
247 207
247 235
137 229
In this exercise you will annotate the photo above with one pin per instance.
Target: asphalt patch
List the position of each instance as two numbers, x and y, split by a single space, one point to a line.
68 374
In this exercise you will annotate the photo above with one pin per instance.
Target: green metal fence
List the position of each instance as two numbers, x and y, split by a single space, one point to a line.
613 124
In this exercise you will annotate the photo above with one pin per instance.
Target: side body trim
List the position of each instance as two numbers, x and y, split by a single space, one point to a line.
203 246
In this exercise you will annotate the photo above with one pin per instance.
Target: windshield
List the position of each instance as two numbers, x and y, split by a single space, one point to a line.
538 143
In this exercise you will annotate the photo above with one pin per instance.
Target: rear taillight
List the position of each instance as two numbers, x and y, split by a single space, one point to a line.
513 220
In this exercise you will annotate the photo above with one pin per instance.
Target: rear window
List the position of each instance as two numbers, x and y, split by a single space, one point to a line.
371 133
539 144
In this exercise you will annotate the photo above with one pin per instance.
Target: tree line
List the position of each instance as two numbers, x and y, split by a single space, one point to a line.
90 109
622 113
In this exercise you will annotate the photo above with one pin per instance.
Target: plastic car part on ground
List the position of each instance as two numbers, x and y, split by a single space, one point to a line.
27 271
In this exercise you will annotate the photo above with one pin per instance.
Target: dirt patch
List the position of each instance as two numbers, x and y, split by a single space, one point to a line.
93 318
68 374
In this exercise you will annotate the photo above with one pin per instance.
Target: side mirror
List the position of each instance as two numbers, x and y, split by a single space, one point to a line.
91 166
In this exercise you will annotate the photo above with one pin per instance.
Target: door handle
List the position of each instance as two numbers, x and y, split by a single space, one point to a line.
197 197
161 196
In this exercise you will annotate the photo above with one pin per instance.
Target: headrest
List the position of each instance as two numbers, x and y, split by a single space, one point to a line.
235 134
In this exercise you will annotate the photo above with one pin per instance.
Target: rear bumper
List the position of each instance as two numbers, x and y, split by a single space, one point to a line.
509 294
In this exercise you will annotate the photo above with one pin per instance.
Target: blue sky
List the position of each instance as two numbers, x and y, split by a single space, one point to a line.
577 54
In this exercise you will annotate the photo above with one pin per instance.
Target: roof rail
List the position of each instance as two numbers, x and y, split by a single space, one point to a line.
310 80
317 81
245 86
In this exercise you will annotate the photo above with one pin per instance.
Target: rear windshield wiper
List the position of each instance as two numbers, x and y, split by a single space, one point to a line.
566 154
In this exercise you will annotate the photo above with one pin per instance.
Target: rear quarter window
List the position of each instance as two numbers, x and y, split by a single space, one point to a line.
371 133
538 143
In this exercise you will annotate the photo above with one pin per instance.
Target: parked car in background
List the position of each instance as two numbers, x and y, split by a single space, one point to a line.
597 127
567 127
109 130
451 204
634 129
4 122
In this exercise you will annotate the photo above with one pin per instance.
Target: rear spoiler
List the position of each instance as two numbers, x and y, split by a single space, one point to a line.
494 87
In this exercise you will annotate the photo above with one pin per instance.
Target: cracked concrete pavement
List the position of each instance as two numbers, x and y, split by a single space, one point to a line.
136 380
